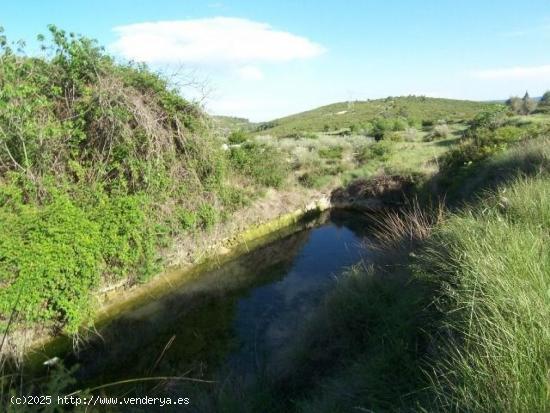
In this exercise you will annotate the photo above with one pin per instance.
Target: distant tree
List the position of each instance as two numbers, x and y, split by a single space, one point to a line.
528 104
545 99
544 103
515 104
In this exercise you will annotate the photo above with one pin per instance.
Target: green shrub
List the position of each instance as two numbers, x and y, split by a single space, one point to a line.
237 137
509 134
331 153
99 152
399 124
127 243
439 132
50 263
382 126
488 119
379 151
264 164
428 123
208 215
482 139
394 137
188 219
233 198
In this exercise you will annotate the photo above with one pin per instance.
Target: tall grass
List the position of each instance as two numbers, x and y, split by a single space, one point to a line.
492 265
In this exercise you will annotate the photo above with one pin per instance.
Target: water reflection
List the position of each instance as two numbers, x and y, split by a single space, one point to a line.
234 317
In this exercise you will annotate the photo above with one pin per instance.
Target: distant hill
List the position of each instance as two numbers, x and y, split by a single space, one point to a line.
345 114
227 124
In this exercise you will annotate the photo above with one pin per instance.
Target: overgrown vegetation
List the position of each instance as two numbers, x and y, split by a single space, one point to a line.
90 152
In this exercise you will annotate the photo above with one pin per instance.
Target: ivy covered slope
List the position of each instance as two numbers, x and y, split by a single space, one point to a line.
100 164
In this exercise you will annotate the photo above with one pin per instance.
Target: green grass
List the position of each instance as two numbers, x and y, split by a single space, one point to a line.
492 265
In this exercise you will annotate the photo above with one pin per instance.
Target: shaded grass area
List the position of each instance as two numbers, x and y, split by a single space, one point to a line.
460 185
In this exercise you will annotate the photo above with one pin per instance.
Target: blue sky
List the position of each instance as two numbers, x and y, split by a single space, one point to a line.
264 59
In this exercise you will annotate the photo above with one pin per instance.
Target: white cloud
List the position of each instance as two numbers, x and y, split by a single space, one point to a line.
250 73
512 73
217 40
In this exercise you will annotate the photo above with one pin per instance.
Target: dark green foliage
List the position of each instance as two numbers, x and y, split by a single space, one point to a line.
300 135
427 123
127 244
50 260
265 126
544 103
382 127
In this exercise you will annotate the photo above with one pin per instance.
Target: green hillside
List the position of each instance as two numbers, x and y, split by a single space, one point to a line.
360 114
226 124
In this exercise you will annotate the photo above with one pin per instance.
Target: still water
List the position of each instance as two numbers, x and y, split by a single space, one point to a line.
236 318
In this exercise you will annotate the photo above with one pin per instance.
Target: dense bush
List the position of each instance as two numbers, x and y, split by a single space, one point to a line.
331 153
127 243
50 260
439 132
264 164
380 151
383 126
488 119
237 137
